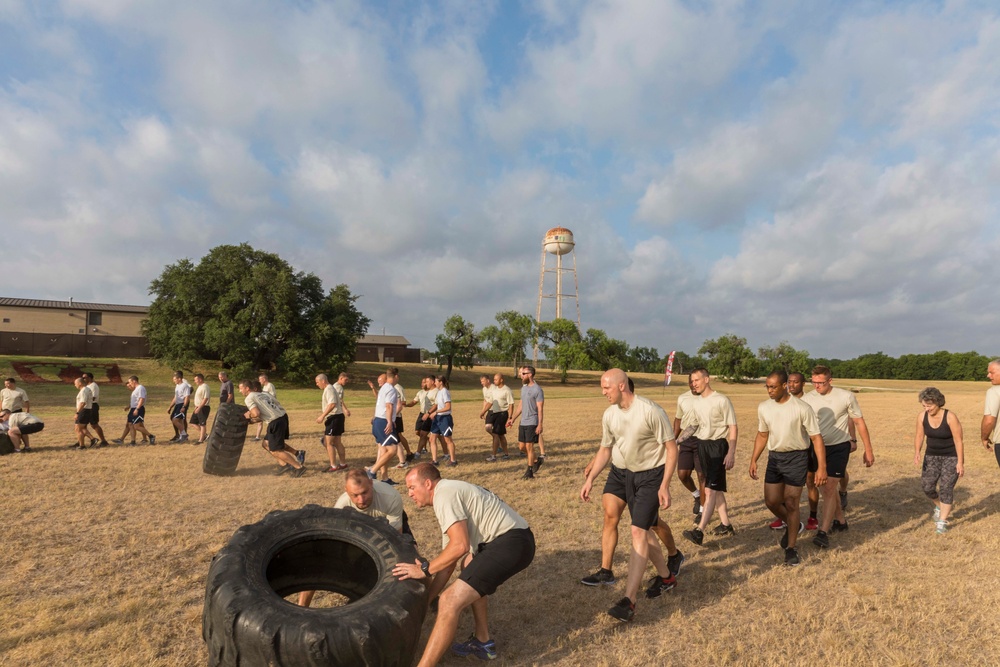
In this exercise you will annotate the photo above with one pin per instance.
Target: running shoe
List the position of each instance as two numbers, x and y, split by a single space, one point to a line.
298 472
812 524
843 500
94 442
483 650
119 441
401 466
697 519
300 456
538 463
784 537
838 527
390 481
452 464
791 557
152 440
528 474
602 576
697 506
330 469
505 457
942 527
723 529
623 611
822 540
342 466
370 474
674 563
411 456
937 514
694 535
183 437
283 469
491 459
777 524
660 586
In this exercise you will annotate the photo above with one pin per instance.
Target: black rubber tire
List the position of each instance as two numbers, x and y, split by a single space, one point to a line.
247 621
225 443
6 446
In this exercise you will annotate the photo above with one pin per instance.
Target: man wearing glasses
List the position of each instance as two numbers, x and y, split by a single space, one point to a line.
835 408
530 409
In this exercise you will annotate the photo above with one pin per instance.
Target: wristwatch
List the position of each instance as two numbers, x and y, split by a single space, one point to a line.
425 565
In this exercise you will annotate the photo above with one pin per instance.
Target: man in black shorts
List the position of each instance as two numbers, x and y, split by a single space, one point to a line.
497 409
84 399
530 408
685 425
781 421
95 410
490 540
424 400
265 408
332 415
637 434
202 408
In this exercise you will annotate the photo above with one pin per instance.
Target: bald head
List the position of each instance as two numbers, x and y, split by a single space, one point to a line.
614 386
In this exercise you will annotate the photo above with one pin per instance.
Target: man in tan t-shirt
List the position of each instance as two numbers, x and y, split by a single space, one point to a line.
990 426
781 421
641 433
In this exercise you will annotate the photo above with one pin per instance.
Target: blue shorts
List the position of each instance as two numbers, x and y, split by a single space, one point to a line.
137 415
443 425
378 431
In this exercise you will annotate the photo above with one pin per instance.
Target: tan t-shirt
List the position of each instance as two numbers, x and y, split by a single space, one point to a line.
85 397
202 394
502 398
333 393
424 400
993 408
714 415
268 388
684 410
95 392
833 412
20 419
638 433
386 504
266 404
488 517
785 422
12 399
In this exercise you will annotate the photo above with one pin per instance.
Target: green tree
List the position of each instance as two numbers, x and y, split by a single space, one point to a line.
604 352
459 343
509 337
251 310
645 360
730 358
783 357
684 363
561 342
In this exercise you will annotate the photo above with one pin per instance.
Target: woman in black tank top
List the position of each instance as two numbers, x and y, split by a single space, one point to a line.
944 461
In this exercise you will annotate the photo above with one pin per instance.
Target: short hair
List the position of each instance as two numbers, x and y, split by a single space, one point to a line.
702 370
484 376
323 377
10 380
780 374
530 369
932 395
444 381
357 475
249 384
995 362
199 376
179 374
425 470
393 370
801 376
88 375
224 375
631 385
822 370
262 375
133 378
77 381
343 375
430 377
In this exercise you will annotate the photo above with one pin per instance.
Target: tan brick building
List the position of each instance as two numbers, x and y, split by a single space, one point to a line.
388 349
35 327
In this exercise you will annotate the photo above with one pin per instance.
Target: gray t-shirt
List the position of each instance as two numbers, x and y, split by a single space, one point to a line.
531 395
225 391
488 517
386 504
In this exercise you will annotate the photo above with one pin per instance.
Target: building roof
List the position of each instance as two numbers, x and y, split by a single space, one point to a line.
71 305
383 340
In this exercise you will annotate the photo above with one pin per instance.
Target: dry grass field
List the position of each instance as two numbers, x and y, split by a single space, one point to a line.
105 552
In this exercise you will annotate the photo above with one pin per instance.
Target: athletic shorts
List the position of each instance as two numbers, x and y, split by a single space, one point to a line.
615 483
813 461
381 437
136 415
200 416
178 411
836 459
687 456
526 433
334 425
712 454
277 433
398 424
497 422
423 424
641 496
443 425
95 414
787 468
497 561
83 416
28 429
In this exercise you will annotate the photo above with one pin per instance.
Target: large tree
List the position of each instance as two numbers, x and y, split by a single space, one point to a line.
458 343
251 310
730 358
509 337
783 357
561 342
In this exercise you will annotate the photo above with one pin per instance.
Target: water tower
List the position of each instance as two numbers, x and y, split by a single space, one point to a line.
558 241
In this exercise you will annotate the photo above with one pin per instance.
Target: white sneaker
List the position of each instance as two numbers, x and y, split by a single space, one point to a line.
942 527
937 513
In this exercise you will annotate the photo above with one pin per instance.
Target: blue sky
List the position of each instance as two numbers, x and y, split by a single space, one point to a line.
825 175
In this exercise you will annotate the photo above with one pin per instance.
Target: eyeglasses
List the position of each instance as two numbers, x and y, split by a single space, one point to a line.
821 384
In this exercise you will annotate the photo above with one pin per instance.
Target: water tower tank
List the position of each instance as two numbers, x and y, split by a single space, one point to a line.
558 241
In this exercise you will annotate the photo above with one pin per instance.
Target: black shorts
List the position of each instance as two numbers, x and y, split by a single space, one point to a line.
334 425
28 429
615 483
497 422
641 496
423 425
200 416
136 415
398 424
787 468
178 411
83 417
277 432
526 433
497 561
813 461
836 459
712 454
687 456
95 414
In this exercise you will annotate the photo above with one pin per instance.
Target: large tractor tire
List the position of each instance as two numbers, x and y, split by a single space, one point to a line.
6 446
247 621
225 443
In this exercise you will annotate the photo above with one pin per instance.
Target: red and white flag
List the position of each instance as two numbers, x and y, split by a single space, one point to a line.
669 371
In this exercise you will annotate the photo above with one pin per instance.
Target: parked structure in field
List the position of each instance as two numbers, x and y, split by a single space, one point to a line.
386 349
36 327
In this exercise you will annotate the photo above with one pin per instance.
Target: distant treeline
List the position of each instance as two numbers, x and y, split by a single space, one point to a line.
936 366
